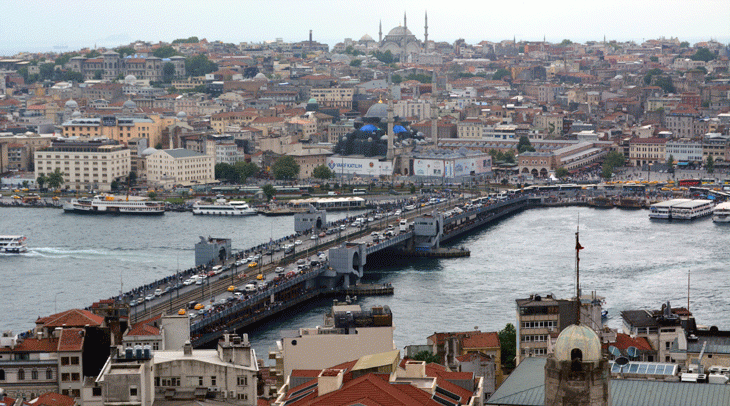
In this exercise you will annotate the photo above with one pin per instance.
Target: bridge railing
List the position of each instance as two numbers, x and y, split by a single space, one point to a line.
389 242
256 298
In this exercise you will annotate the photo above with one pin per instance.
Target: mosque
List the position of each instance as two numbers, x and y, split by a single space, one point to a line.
400 41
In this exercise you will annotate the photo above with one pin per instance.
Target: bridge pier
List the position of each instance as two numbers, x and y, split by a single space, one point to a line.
348 261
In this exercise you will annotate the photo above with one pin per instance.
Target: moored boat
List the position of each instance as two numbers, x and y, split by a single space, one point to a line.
601 202
721 213
630 203
107 204
222 207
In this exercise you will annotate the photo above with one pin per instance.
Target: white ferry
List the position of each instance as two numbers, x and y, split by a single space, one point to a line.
222 207
721 213
663 210
106 204
12 244
692 209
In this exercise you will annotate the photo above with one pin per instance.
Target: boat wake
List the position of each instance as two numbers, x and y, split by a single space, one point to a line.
51 252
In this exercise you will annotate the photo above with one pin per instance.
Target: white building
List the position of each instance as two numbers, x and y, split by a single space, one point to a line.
169 167
227 153
86 165
684 151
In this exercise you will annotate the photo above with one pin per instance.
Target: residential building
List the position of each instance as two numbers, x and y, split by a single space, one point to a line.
86 165
470 351
308 159
336 131
717 145
645 151
471 128
122 129
659 327
682 123
684 151
169 167
334 97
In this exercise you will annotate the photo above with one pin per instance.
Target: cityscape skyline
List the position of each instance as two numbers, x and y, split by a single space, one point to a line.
49 31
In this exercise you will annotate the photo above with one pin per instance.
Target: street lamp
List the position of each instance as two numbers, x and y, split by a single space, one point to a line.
55 298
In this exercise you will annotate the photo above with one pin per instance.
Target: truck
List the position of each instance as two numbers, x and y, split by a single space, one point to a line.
404 226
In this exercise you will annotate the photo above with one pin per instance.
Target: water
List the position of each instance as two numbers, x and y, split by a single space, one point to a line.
632 261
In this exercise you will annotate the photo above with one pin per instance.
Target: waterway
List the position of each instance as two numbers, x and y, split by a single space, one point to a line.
635 263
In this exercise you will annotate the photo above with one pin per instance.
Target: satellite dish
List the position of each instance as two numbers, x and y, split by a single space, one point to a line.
614 351
622 361
632 351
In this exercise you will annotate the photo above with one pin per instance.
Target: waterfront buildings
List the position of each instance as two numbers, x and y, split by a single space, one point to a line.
169 167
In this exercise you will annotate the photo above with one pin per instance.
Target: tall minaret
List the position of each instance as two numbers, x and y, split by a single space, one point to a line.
425 35
404 44
380 32
405 25
434 111
390 155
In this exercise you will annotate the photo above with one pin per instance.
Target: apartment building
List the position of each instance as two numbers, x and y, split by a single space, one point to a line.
717 145
169 167
684 151
122 129
644 151
471 128
333 97
112 65
86 164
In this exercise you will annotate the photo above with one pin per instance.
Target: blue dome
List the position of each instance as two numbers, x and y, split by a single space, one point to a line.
399 129
369 128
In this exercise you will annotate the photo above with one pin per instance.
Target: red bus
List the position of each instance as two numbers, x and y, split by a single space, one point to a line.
689 182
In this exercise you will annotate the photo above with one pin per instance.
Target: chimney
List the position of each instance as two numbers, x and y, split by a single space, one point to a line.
187 348
415 369
329 380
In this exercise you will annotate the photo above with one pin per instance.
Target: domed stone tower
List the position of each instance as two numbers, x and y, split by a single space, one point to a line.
577 374
129 107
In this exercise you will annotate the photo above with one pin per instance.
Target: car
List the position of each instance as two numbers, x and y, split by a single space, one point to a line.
149 297
390 227
322 235
250 287
260 277
188 282
231 288
252 264
257 257
313 237
397 213
237 295
199 306
199 281
371 219
158 292
298 242
211 273
249 259
279 270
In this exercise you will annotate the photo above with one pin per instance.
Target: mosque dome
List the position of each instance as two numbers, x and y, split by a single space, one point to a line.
366 38
76 114
384 138
129 104
130 79
578 337
400 32
182 115
312 101
71 104
260 76
379 110
149 151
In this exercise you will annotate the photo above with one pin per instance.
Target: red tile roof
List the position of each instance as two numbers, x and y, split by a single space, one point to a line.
52 399
71 318
624 341
71 339
143 330
34 345
480 340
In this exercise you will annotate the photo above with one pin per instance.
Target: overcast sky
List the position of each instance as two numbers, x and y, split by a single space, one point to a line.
34 25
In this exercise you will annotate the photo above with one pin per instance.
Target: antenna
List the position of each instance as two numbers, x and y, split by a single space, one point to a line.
689 273
578 247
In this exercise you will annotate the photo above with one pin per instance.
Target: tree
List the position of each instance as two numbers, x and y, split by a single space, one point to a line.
710 164
606 171
508 346
98 74
55 179
115 185
226 172
132 178
427 356
615 159
396 78
561 173
246 170
703 54
501 73
648 75
63 59
190 40
323 172
199 65
566 42
124 51
684 44
509 157
152 195
356 62
524 145
164 52
46 71
168 72
41 180
384 57
665 82
269 191
285 168
670 163
93 54
654 58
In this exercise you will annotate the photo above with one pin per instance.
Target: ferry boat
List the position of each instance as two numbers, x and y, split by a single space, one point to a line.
663 210
601 202
107 204
12 244
692 209
221 207
721 213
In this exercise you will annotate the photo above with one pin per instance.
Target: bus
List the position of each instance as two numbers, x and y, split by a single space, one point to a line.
359 191
689 182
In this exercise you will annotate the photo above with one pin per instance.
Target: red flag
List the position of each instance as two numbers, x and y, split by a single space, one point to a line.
578 246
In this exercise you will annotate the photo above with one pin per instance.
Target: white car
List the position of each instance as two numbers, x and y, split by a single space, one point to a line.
313 237
298 242
249 259
158 292
149 297
279 270
188 282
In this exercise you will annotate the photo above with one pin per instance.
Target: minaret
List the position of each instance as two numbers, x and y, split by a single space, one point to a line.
390 155
380 32
405 25
434 111
425 35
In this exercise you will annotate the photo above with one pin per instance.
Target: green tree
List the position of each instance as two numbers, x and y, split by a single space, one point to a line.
703 54
670 163
115 185
124 51
615 159
428 357
396 78
226 172
710 164
508 346
152 195
384 57
168 72
665 82
684 44
323 172
164 52
55 179
285 168
41 180
501 73
606 171
199 65
561 173
269 191
98 74
93 54
566 42
71 76
63 59
190 40
356 62
654 58
509 157
524 145
419 77
246 170
46 71
649 74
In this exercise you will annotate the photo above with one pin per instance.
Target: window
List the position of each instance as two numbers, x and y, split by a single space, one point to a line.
74 360
34 374
242 380
75 377
212 381
96 391
2 374
133 391
49 373
65 377
21 375
65 360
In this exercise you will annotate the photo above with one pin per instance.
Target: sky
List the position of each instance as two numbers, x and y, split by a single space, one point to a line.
35 26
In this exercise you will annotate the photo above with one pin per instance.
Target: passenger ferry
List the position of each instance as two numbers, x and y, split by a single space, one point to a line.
12 244
721 213
692 209
663 210
221 207
107 204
